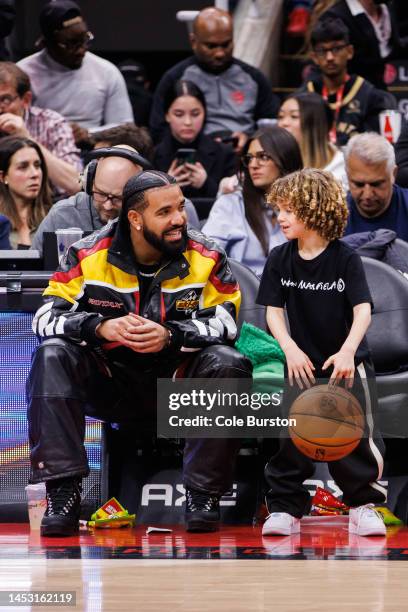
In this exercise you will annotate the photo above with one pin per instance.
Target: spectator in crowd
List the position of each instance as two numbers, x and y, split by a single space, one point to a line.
375 201
185 114
5 227
87 90
127 133
138 86
373 34
53 134
101 201
355 103
241 222
110 383
237 95
308 117
7 19
401 155
24 192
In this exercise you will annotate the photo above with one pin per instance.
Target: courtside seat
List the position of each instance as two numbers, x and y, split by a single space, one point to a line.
388 339
249 285
203 207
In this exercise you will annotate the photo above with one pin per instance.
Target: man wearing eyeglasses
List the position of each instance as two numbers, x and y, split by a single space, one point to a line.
356 103
91 212
87 90
18 117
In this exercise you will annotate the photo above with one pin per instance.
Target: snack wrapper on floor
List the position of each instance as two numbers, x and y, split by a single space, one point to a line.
326 504
111 515
388 516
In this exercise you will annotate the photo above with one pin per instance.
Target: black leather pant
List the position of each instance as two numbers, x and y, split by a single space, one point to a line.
68 381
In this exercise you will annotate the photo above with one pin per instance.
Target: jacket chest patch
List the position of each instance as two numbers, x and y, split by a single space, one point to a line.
188 303
105 303
238 97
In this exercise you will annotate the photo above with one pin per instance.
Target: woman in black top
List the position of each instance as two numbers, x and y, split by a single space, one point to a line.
185 113
24 191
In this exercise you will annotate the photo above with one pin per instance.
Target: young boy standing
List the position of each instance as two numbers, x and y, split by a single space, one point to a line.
322 284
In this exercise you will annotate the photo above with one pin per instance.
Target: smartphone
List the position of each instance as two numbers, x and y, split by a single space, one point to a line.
233 140
186 156
226 137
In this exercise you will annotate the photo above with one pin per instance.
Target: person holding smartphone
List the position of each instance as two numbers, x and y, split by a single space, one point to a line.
242 222
196 161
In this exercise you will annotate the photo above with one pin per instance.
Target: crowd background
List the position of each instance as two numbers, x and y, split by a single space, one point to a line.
181 100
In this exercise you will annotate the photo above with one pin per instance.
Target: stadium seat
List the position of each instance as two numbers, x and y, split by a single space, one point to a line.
388 339
249 284
203 207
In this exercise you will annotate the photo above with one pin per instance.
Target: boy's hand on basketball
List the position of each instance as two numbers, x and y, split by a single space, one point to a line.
343 367
299 366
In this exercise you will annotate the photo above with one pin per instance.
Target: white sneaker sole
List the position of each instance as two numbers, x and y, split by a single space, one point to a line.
281 530
379 531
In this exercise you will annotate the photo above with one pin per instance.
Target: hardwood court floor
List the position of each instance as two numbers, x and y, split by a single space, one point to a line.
322 570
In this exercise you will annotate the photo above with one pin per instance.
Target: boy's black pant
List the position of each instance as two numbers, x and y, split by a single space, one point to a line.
67 381
355 474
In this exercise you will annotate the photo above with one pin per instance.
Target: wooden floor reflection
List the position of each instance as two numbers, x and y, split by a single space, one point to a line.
322 569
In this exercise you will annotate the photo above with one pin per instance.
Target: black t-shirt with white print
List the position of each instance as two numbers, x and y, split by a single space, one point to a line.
319 295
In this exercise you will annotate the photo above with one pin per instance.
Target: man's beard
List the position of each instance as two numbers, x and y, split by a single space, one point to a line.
168 249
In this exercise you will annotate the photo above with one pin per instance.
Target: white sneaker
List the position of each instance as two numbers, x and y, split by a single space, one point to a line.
365 521
281 523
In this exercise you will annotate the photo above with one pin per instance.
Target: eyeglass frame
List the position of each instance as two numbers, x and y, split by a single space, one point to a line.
258 156
74 46
11 99
115 200
333 50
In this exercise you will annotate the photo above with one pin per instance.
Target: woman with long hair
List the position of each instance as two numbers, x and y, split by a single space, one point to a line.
241 222
199 172
25 196
309 119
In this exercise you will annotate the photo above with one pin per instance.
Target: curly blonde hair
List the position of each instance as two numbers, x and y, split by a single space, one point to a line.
316 198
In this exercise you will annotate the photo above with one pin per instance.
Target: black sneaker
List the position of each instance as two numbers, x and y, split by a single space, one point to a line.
63 507
202 511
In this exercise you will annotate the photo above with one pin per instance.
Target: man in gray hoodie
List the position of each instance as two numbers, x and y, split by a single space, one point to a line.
237 95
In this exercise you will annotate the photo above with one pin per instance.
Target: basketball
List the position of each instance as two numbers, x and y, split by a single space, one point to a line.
329 423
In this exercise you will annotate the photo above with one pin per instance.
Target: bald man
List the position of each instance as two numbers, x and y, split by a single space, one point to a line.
237 95
91 211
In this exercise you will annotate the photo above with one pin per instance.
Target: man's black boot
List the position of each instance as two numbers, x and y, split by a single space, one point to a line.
202 511
63 507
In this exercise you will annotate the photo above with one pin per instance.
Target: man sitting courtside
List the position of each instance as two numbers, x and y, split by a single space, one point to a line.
113 326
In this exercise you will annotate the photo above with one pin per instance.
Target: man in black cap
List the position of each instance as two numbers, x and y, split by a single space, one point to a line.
115 323
87 90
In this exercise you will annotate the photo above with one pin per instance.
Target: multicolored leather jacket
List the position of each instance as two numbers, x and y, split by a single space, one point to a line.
195 295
